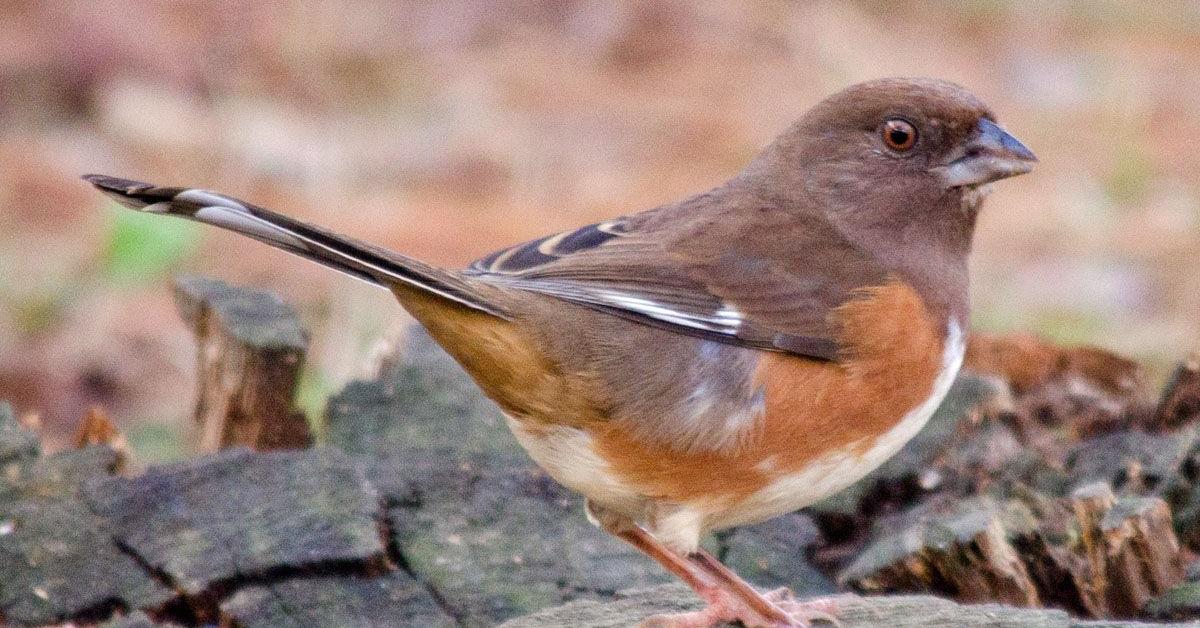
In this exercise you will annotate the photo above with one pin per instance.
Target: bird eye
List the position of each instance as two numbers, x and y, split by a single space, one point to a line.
899 135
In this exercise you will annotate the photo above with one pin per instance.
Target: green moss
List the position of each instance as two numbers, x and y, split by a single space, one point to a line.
139 248
312 393
1182 601
156 442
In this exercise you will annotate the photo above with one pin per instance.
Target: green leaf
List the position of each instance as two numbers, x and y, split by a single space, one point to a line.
140 248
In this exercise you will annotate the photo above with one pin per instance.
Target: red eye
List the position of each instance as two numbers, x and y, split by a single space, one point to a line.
899 135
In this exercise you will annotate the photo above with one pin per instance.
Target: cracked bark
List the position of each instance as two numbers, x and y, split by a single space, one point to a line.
397 557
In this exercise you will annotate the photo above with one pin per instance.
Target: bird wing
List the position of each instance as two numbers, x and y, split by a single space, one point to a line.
774 290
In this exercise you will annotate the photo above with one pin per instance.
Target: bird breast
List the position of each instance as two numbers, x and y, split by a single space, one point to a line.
824 426
840 467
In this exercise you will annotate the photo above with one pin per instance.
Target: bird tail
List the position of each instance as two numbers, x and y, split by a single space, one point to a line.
358 259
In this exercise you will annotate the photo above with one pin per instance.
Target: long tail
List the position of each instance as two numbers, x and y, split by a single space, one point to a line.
358 259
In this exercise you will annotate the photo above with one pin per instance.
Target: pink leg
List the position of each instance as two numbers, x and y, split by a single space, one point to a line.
729 598
732 582
803 613
724 603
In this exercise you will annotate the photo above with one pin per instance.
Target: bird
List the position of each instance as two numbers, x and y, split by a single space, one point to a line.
723 359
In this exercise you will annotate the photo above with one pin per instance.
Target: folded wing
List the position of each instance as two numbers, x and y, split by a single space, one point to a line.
688 279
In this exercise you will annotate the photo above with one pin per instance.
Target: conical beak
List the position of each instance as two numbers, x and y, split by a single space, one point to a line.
990 155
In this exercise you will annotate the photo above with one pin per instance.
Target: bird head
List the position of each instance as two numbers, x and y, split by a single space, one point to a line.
896 147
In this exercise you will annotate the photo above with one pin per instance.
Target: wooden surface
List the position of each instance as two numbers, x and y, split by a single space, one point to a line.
249 350
907 611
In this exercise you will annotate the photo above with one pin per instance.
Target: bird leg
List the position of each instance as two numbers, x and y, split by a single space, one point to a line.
732 582
728 597
783 599
724 604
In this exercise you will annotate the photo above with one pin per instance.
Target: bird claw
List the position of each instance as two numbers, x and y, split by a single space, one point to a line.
800 614
822 609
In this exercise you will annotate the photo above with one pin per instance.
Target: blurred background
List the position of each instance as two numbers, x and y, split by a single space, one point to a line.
448 128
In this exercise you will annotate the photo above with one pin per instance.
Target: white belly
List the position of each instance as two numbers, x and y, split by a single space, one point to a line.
567 455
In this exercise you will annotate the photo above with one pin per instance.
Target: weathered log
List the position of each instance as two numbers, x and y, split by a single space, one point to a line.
250 348
394 599
904 611
1084 389
1180 602
1142 558
138 619
1024 551
1092 553
435 514
239 538
1131 461
17 444
239 514
964 554
773 554
57 561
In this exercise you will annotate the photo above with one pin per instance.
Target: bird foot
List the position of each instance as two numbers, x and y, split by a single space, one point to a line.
821 609
792 613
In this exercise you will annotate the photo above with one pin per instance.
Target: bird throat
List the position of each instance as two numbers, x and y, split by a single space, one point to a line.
972 197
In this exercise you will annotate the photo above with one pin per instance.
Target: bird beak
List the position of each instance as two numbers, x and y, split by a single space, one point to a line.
991 154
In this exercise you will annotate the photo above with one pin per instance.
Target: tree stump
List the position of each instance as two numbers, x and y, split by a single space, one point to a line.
250 348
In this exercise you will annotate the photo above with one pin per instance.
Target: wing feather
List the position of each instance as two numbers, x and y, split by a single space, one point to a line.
733 296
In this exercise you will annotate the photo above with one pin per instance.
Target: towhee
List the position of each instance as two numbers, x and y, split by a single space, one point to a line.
726 358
